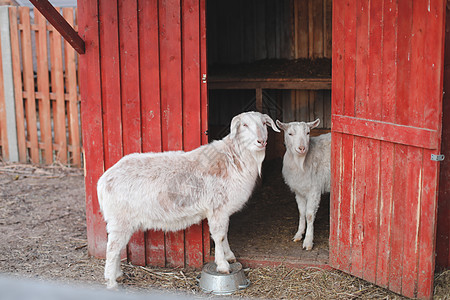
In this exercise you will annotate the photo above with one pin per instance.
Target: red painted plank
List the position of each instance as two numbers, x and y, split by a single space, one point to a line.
171 104
417 79
194 246
346 202
427 229
390 132
175 249
357 206
130 98
191 74
110 62
338 58
203 69
375 61
150 107
385 218
398 218
129 66
149 76
403 61
412 202
155 248
170 64
91 115
192 110
434 62
349 57
362 60
371 208
389 68
136 249
206 242
336 169
111 100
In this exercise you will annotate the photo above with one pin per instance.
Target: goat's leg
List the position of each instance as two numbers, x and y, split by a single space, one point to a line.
117 240
301 203
218 226
229 255
311 210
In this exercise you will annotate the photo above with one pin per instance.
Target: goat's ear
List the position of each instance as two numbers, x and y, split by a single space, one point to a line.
235 122
313 124
268 120
283 126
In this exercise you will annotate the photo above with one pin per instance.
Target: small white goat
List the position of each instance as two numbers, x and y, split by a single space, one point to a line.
306 170
173 190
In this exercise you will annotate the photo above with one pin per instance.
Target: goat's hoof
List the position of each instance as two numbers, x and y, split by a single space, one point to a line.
297 239
112 285
223 269
307 246
231 260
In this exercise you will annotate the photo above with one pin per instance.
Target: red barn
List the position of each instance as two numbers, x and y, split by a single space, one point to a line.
144 87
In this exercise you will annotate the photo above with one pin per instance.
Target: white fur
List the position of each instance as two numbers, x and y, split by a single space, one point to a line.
173 190
306 170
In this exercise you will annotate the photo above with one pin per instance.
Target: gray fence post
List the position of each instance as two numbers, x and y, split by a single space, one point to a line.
8 85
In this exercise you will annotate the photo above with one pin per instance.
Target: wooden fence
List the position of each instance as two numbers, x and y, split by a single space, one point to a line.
46 96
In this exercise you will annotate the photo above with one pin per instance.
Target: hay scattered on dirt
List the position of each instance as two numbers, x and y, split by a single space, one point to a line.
43 234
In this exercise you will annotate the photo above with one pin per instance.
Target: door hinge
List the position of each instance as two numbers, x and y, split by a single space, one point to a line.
439 157
204 78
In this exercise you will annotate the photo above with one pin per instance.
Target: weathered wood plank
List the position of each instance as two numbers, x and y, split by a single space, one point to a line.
3 124
390 132
171 104
385 212
371 208
57 84
130 100
43 87
398 218
192 110
71 89
350 57
91 114
362 59
28 84
389 67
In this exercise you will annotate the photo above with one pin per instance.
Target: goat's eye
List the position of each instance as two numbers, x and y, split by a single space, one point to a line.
307 133
245 125
290 133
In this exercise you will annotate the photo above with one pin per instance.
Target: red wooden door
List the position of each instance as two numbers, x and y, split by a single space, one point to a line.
142 91
386 124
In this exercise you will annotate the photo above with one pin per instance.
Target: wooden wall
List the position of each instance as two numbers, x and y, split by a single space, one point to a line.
141 92
247 31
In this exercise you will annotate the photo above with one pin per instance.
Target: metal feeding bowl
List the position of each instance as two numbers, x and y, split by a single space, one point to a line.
222 284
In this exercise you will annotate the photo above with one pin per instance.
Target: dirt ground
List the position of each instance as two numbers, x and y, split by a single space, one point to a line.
265 227
43 236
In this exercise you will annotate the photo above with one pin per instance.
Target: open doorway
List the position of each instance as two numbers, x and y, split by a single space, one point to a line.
275 57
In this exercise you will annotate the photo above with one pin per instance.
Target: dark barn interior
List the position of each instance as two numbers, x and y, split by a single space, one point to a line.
275 57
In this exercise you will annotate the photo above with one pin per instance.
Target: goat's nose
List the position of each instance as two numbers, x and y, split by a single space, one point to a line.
262 142
301 148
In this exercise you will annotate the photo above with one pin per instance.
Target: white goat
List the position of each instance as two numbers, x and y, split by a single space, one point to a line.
306 170
173 190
